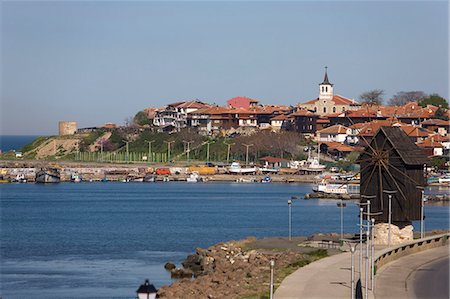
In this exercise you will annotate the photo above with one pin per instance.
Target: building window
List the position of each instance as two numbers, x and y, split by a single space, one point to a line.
322 88
326 88
315 109
343 109
334 109
324 109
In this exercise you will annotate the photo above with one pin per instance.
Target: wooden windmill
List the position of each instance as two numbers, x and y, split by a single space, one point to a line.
391 161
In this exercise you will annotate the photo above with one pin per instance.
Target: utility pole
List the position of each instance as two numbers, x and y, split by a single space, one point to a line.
168 150
127 155
188 149
246 152
228 150
101 150
149 150
207 149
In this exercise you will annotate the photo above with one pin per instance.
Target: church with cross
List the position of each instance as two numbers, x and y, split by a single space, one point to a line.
328 102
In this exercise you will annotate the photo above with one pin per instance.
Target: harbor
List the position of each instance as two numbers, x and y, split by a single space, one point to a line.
91 234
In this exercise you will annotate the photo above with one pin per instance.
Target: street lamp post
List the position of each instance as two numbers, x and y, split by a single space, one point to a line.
272 264
422 220
367 203
389 193
372 262
352 250
290 217
342 205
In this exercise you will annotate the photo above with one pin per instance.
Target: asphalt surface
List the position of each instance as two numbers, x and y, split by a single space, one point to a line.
431 280
419 275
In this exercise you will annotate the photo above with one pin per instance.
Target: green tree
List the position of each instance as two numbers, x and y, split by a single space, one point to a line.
372 97
435 100
141 119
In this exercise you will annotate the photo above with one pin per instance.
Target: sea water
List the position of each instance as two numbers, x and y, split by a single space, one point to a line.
102 240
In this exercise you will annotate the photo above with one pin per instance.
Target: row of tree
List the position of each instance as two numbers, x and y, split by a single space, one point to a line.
375 97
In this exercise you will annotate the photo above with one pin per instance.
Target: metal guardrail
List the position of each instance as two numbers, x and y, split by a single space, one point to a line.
390 254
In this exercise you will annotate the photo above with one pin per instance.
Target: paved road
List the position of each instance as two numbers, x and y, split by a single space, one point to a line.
403 277
431 280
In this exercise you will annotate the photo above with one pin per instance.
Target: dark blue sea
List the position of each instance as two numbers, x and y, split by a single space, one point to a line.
15 142
101 240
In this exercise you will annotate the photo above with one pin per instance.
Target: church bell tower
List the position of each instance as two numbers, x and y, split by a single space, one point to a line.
325 88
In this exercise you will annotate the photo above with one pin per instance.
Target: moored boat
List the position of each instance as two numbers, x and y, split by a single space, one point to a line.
266 179
337 187
193 178
235 167
50 175
20 178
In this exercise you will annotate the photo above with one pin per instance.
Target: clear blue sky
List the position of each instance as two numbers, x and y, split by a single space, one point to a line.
97 62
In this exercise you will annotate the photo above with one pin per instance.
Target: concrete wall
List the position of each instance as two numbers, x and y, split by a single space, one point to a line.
393 253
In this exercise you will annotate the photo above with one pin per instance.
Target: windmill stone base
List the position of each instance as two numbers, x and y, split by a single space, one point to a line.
398 235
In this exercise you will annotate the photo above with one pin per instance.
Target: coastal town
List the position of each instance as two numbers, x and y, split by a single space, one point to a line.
243 137
224 149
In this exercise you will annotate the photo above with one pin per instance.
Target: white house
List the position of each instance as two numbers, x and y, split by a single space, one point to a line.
336 133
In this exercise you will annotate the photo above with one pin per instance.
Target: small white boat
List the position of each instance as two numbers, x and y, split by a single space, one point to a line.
245 180
269 170
193 178
444 179
266 180
337 187
20 178
75 177
235 167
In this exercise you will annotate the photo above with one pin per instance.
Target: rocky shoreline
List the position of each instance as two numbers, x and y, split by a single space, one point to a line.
238 269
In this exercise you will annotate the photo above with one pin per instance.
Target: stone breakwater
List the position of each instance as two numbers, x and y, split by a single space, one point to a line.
232 270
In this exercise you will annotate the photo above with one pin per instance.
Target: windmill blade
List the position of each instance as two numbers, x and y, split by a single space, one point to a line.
395 182
412 180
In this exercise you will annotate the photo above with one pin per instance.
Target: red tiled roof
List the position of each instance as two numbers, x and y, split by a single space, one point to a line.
436 122
272 159
429 143
193 104
438 138
340 100
336 129
339 147
279 117
413 131
303 112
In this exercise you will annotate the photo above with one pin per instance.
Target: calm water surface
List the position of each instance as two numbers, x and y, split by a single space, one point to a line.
101 240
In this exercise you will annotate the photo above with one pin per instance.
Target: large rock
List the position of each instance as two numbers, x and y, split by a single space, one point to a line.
398 236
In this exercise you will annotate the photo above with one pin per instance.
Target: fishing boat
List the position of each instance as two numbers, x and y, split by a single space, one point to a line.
50 175
20 178
445 179
269 170
75 177
266 180
337 187
193 178
235 167
150 178
312 164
